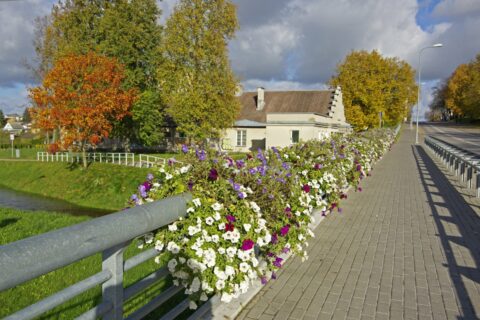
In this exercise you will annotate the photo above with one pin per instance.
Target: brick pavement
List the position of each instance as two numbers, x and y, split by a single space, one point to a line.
407 247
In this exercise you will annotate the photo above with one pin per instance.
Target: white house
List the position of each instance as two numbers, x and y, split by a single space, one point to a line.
280 118
13 127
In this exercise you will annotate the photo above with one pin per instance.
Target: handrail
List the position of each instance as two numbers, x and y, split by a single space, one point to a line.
461 162
109 234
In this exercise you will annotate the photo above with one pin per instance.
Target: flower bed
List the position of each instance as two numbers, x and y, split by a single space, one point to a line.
246 213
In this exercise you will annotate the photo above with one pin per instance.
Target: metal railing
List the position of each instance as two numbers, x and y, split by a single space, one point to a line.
463 164
108 235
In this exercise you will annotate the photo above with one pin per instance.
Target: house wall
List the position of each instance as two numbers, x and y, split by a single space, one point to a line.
255 139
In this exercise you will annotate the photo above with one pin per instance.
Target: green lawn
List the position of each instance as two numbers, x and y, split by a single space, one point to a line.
16 225
101 186
25 153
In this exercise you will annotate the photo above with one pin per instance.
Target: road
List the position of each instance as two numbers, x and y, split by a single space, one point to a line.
465 137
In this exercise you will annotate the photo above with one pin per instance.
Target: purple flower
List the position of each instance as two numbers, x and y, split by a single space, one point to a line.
274 275
142 191
269 254
171 161
201 155
134 197
288 209
359 189
271 196
184 148
285 250
252 170
264 280
242 195
149 177
230 218
285 166
236 186
324 213
342 156
259 181
147 186
284 230
247 244
213 175
278 262
359 167
274 238
306 188
190 185
240 164
339 210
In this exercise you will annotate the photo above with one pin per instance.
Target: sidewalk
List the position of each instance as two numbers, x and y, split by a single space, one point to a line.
407 247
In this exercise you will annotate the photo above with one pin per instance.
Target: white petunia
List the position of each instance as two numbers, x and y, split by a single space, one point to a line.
209 221
244 267
220 284
217 206
191 209
173 227
247 226
221 250
197 202
168 176
172 264
226 297
195 286
229 271
173 247
215 238
203 297
231 251
159 245
217 216
193 305
221 226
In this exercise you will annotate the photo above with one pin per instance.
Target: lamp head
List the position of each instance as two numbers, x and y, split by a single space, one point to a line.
437 45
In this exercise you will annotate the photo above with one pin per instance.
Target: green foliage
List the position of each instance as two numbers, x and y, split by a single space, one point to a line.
196 80
3 121
372 84
102 186
149 118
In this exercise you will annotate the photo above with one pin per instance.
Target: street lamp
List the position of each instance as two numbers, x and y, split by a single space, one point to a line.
436 45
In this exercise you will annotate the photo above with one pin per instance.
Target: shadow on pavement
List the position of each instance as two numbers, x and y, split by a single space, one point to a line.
467 224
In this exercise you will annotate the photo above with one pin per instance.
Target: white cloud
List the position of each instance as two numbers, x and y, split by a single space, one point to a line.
454 9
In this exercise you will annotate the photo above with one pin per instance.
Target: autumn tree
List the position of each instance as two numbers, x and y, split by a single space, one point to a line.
197 82
82 95
125 29
372 84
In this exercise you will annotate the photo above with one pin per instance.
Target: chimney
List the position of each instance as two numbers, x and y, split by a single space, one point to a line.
260 98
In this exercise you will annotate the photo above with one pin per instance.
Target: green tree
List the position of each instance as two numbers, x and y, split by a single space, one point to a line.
149 119
372 84
26 115
124 29
3 121
197 82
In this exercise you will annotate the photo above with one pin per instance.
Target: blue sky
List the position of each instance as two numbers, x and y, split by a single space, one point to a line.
291 44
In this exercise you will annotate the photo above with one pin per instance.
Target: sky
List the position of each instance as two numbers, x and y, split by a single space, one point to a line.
291 44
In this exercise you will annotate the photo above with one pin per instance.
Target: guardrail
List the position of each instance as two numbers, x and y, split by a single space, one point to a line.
460 162
150 161
123 158
30 258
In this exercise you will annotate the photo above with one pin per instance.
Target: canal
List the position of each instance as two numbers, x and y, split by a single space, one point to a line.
25 201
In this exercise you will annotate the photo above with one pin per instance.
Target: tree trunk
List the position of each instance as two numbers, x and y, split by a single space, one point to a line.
84 156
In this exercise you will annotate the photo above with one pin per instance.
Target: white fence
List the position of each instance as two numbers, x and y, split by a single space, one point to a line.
122 158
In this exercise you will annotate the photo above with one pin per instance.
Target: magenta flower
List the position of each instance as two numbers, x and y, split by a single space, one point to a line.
284 230
274 275
274 238
264 280
230 218
247 244
317 166
359 189
359 167
306 188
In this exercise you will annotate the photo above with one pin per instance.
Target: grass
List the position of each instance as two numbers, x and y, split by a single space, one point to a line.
101 186
16 225
25 153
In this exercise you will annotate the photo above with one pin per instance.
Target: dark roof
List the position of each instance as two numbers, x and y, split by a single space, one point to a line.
284 102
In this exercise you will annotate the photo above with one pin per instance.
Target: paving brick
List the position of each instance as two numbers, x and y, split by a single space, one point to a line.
388 254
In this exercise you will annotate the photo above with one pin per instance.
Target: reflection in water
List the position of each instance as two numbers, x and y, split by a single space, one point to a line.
24 201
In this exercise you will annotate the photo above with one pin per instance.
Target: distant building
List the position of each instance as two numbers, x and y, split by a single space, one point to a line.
281 118
14 127
13 117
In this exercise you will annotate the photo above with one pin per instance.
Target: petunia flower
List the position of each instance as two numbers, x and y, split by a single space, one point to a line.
213 175
306 188
284 230
230 218
247 244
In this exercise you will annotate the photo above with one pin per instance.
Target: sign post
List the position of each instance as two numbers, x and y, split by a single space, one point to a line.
12 137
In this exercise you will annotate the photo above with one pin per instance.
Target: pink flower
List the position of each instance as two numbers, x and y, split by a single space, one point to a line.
306 188
284 230
247 244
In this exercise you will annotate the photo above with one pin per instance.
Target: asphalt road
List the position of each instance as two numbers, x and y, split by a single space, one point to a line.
462 136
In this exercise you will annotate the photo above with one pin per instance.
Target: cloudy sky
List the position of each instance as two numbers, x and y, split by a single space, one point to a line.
291 44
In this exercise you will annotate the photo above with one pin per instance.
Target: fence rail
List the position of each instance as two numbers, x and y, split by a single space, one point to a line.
463 163
29 258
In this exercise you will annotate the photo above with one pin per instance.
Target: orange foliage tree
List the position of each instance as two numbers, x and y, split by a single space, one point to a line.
81 97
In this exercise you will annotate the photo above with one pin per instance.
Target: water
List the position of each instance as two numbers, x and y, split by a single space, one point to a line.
25 201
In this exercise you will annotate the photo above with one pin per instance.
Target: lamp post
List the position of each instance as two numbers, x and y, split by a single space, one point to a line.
436 45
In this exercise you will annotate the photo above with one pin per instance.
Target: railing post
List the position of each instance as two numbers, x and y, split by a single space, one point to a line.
478 181
112 290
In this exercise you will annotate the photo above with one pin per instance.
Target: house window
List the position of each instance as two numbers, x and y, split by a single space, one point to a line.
241 138
295 136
